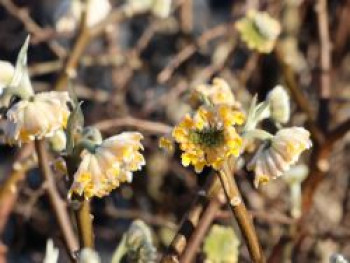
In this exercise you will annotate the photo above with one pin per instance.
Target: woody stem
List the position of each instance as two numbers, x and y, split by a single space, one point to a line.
241 214
57 204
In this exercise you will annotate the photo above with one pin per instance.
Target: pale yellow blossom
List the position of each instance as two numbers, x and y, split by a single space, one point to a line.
111 162
259 31
275 156
209 137
37 117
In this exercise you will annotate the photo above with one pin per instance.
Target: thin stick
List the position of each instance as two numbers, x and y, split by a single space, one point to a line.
186 16
202 228
240 212
57 204
189 222
144 125
189 50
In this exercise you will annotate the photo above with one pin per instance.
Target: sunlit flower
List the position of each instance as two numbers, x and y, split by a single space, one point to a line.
275 157
6 74
39 116
161 8
219 92
279 104
259 30
110 163
209 138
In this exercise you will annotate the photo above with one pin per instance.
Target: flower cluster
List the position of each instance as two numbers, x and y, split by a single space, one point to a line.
36 117
108 164
209 137
275 156
259 31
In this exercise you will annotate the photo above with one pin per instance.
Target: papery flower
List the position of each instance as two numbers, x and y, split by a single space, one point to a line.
39 116
259 31
7 71
110 163
279 104
219 92
275 157
209 138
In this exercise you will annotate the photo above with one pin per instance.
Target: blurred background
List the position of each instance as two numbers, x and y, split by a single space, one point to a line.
137 74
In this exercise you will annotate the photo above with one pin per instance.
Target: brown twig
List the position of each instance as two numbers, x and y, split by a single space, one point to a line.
57 204
152 219
241 214
338 132
202 228
38 34
86 34
189 50
189 223
321 150
186 16
149 126
9 189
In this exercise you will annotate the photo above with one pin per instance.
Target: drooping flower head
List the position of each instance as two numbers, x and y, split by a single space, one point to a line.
39 116
259 31
275 157
107 164
208 137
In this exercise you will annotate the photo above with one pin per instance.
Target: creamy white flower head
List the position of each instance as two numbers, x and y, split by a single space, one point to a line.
277 155
7 70
279 104
112 162
39 116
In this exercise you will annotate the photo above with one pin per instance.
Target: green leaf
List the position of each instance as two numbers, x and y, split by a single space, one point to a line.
221 245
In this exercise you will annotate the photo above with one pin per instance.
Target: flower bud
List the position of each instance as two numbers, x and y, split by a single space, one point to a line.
279 104
58 141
